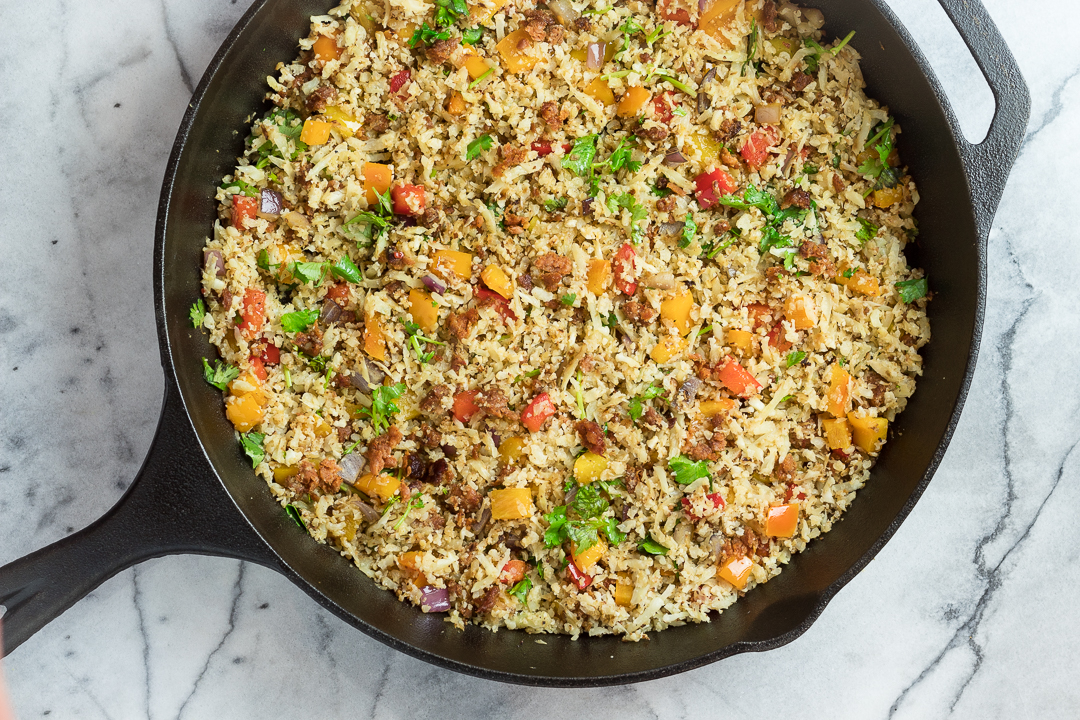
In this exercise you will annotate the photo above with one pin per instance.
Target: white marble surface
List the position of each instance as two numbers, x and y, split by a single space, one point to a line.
969 612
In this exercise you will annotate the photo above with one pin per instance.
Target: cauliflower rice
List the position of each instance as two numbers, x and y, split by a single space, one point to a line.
662 354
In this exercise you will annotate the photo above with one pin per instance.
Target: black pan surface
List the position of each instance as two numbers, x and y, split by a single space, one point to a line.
197 494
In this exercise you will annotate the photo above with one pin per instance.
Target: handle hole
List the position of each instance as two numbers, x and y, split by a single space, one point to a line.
963 82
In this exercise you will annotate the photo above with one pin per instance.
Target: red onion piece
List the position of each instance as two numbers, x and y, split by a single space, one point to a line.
571 495
563 11
434 600
331 312
709 76
674 158
433 285
671 228
701 6
271 202
496 438
370 514
594 57
481 522
350 466
214 259
586 207
357 380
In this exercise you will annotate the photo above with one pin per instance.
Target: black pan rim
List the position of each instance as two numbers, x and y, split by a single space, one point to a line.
826 596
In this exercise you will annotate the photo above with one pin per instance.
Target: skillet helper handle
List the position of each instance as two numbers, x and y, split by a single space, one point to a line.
174 505
989 162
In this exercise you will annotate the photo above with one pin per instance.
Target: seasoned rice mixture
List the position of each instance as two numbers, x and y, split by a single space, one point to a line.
576 318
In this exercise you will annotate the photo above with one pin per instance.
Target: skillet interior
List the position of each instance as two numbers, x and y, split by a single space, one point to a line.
949 249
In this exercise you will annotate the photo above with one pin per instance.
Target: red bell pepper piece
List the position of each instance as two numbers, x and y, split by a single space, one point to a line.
716 499
258 367
669 10
622 270
711 186
542 148
408 199
399 80
487 297
758 312
271 354
253 315
513 571
661 104
756 148
537 412
580 578
736 379
464 406
339 293
243 208
777 340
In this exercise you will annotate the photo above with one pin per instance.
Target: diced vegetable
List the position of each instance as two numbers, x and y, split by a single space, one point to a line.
316 131
624 593
374 337
587 558
482 15
494 277
456 106
475 65
501 304
662 112
542 148
736 570
736 379
741 340
326 48
511 503
537 412
382 486
707 146
510 48
399 80
767 114
598 276
511 450
410 561
756 148
600 91
408 200
377 179
838 396
837 433
677 10
716 18
323 428
887 197
347 125
243 208
434 599
632 101
711 186
712 408
253 314
782 521
257 367
244 411
588 468
513 571
778 338
677 310
859 281
452 263
622 269
758 312
284 472
800 311
465 405
423 310
667 348
581 579
868 432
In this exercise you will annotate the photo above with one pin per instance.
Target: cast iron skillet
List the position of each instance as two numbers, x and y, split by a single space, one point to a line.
196 493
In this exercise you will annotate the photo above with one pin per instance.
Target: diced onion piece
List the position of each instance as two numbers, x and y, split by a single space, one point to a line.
813 17
349 466
214 262
767 114
433 285
782 521
594 55
434 599
674 158
589 467
511 503
270 202
563 11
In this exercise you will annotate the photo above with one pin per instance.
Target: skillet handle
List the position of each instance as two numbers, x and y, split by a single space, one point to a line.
989 162
174 505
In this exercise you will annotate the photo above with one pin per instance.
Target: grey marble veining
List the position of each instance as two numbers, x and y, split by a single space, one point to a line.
968 612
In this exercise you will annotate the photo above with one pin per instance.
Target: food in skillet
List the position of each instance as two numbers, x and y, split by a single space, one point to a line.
576 318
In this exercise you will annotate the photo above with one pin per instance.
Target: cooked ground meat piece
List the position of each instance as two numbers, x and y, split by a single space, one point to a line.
458 361
376 123
653 420
729 160
321 97
797 197
729 129
488 600
812 250
310 343
439 473
343 433
553 268
463 498
583 24
785 469
441 51
395 258
461 324
305 480
799 81
414 465
511 155
430 218
432 402
510 219
592 435
656 134
436 521
638 313
708 449
827 268
330 474
378 452
525 281
768 17
428 436
493 402
552 114
877 385
838 183
666 204
774 272
631 477
542 25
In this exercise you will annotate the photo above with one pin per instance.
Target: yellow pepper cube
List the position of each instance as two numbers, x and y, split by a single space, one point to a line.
243 411
868 432
782 521
838 394
677 310
284 472
423 310
347 125
494 277
383 486
624 593
712 408
736 570
632 101
511 503
668 347
707 146
589 467
801 311
741 340
837 433
315 131
600 91
598 276
511 48
887 197
475 65
511 450
587 558
374 338
452 263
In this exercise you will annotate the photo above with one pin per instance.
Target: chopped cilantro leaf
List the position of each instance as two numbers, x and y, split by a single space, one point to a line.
220 375
637 212
298 321
877 166
477 146
428 35
345 269
611 320
448 11
867 230
382 405
689 231
622 156
650 546
687 471
309 272
197 313
590 501
796 357
555 204
521 590
636 407
471 36
628 28
568 299
912 290
252 443
293 513
580 158
849 273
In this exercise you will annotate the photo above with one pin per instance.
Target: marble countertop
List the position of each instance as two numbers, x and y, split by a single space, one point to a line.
968 612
